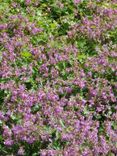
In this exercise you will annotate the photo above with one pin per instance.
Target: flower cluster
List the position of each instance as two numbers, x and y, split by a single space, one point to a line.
58 78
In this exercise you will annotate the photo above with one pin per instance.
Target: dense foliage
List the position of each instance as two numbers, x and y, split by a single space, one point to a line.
58 77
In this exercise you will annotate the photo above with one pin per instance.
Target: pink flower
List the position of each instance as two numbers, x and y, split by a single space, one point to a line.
8 142
77 1
21 151
28 2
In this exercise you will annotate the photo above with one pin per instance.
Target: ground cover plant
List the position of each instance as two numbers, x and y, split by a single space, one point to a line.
58 77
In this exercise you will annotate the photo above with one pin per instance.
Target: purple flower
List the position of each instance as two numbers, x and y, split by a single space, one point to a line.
21 151
1 115
77 1
8 142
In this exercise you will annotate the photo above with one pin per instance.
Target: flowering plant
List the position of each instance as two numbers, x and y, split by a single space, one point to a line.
58 78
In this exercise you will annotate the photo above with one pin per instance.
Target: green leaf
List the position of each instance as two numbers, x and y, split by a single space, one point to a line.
62 124
26 54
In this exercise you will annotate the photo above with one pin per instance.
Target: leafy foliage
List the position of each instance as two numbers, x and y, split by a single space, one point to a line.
58 77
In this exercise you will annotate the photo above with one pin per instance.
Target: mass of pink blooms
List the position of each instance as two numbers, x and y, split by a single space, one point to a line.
61 99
